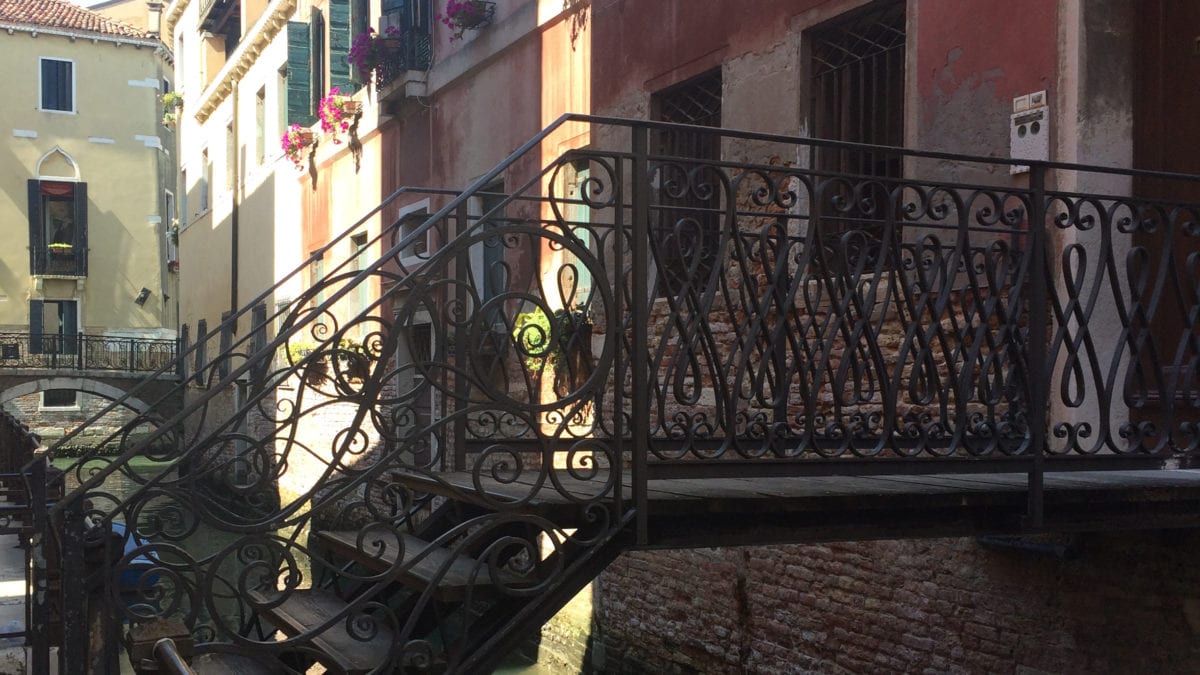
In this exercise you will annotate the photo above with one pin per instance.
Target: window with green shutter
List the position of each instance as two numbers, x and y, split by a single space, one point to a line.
339 46
299 65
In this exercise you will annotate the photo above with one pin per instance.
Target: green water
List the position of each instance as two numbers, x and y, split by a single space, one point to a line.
208 540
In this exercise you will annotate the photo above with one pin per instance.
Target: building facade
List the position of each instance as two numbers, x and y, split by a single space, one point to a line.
90 197
1068 82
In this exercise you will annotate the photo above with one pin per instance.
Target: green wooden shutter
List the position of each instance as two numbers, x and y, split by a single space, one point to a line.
37 243
36 326
68 319
80 245
299 92
339 46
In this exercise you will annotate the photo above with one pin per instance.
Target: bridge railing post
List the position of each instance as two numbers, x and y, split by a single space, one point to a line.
1039 367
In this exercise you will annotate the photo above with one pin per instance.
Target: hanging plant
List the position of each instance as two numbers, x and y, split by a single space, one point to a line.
172 104
464 15
370 51
337 111
294 141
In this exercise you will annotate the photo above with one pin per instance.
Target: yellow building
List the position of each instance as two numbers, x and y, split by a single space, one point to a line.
87 197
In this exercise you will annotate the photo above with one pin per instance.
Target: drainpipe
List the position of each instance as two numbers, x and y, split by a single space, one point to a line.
233 216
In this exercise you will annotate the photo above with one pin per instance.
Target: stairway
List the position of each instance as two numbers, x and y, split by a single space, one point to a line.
284 517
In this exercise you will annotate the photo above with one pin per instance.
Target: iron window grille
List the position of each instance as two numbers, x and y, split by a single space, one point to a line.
687 213
857 95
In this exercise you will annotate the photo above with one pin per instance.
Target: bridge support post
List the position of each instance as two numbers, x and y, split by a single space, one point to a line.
1038 366
639 297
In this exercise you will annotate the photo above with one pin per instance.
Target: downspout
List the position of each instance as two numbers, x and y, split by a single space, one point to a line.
233 216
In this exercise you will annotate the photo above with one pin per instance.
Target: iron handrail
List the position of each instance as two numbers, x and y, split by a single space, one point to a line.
478 186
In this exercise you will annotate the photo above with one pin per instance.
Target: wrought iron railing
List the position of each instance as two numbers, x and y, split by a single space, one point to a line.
85 352
412 50
616 316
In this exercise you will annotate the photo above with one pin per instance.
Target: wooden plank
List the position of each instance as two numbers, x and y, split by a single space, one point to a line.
303 610
955 483
230 664
425 565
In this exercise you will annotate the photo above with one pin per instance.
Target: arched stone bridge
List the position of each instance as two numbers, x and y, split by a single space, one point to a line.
159 393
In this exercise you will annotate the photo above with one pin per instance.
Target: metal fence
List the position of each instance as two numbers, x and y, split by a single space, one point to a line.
84 352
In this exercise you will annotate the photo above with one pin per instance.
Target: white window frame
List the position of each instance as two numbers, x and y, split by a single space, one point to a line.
74 86
411 261
57 408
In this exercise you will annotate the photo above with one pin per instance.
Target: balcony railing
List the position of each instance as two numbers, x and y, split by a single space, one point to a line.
84 352
61 262
411 51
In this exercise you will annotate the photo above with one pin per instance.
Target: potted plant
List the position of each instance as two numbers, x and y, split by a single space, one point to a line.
370 50
464 15
172 104
294 141
337 111
561 342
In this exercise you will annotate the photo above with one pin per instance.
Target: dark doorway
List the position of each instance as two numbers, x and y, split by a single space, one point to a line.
53 327
1166 137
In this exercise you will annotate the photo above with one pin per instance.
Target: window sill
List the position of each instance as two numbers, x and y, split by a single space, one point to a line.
59 112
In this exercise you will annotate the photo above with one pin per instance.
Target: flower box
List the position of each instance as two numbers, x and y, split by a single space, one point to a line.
464 15
294 142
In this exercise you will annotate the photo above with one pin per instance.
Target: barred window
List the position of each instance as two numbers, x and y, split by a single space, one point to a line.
685 225
857 89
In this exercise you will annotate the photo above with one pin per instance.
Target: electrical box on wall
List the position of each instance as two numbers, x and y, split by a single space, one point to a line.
1029 132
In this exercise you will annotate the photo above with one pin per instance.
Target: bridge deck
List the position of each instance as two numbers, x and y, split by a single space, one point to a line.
746 511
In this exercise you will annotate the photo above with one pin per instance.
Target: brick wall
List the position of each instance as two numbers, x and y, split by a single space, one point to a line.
52 424
1128 603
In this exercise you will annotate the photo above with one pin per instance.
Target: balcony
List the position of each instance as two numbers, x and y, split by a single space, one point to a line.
403 70
60 260
84 352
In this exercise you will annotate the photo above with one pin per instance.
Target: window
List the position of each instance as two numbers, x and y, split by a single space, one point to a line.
415 253
260 126
493 272
858 87
58 227
230 158
58 85
53 327
60 398
685 223
166 89
316 272
281 102
857 95
578 217
205 180
362 260
170 225
184 216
